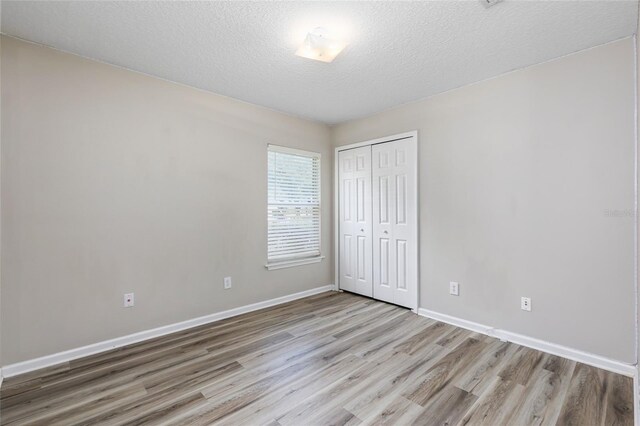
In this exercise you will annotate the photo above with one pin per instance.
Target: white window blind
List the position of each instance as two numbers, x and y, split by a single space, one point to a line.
293 212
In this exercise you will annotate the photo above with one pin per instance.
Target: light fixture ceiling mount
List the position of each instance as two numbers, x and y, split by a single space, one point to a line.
319 46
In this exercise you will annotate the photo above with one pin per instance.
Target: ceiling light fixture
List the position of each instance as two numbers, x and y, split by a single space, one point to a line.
320 47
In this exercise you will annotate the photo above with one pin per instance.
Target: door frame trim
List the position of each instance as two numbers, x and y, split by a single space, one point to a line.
336 205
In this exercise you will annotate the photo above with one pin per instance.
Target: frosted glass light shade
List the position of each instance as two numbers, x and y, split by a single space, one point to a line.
318 46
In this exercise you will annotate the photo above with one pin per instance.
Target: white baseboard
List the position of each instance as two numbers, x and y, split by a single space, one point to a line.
60 357
541 345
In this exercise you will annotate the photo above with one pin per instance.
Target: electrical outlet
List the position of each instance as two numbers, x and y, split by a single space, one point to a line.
129 300
227 283
454 288
525 303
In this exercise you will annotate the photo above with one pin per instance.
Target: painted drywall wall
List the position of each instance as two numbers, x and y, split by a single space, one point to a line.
0 195
527 189
636 384
115 182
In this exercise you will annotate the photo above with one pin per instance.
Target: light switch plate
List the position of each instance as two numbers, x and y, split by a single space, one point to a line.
129 300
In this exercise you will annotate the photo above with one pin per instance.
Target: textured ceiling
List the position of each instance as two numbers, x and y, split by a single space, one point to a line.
398 51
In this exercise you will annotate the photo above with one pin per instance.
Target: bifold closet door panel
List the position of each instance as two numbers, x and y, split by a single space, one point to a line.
355 224
395 233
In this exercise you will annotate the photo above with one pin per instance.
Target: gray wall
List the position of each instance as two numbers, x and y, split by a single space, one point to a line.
1 364
637 388
516 176
113 181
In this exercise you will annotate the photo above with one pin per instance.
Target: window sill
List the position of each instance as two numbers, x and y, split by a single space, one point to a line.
291 263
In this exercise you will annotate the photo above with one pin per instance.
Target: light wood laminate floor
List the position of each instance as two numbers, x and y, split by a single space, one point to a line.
330 359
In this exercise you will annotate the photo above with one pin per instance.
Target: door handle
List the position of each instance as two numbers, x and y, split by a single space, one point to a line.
362 230
386 232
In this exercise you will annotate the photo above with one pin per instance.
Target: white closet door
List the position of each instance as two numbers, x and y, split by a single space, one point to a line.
395 227
355 227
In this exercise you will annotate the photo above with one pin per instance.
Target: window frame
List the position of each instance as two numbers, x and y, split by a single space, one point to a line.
288 263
